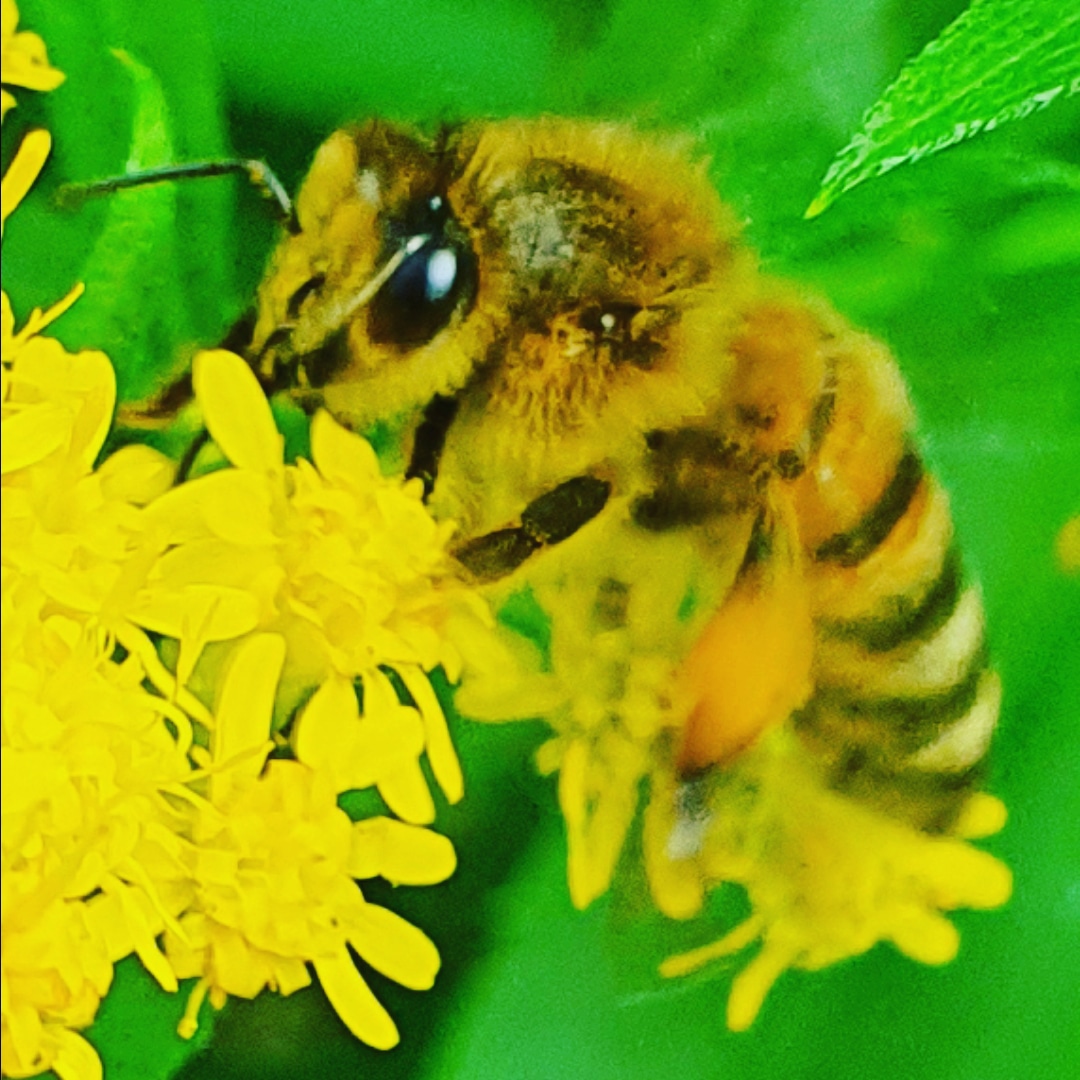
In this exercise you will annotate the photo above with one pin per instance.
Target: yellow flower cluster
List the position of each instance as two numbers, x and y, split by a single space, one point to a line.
140 814
827 877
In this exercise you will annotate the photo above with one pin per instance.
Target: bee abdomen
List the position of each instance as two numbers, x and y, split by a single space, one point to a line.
851 547
905 702
908 616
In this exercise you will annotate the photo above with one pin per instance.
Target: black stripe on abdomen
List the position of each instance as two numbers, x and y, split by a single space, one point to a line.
852 547
908 723
912 618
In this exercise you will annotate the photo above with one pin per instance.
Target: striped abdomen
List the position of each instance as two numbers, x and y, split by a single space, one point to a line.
904 702
900 703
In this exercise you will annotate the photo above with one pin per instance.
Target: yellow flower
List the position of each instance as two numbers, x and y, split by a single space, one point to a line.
273 860
598 796
21 174
346 565
22 60
132 810
826 876
87 753
274 869
111 835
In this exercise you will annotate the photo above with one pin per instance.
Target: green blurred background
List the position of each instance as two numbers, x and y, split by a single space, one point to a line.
968 265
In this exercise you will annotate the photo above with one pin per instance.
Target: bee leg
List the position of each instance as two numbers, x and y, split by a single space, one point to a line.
549 519
430 439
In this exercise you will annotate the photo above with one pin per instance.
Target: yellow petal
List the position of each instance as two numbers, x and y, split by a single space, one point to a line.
754 982
572 784
7 321
238 507
341 456
136 474
732 942
196 621
136 914
406 793
325 730
244 710
39 319
598 794
356 752
25 62
676 884
238 969
501 681
550 755
437 741
236 411
25 1030
982 815
76 1059
380 697
23 171
394 946
233 505
95 418
33 433
219 613
29 777
290 974
990 885
925 936
354 1002
403 854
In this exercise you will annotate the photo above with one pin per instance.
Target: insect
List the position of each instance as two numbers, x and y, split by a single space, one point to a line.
707 480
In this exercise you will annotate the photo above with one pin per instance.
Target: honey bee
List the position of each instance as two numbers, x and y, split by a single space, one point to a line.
700 468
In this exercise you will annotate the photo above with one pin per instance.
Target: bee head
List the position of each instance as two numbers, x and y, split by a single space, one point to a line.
378 269
545 261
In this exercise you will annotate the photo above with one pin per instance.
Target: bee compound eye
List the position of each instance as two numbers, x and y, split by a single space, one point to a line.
436 277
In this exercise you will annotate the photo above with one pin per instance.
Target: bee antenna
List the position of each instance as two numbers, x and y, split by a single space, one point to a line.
72 196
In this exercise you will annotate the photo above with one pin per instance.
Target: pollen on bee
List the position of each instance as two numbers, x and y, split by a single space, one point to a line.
367 184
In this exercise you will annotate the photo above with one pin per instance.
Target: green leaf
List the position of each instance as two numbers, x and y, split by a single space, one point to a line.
159 251
135 1028
1001 60
118 276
